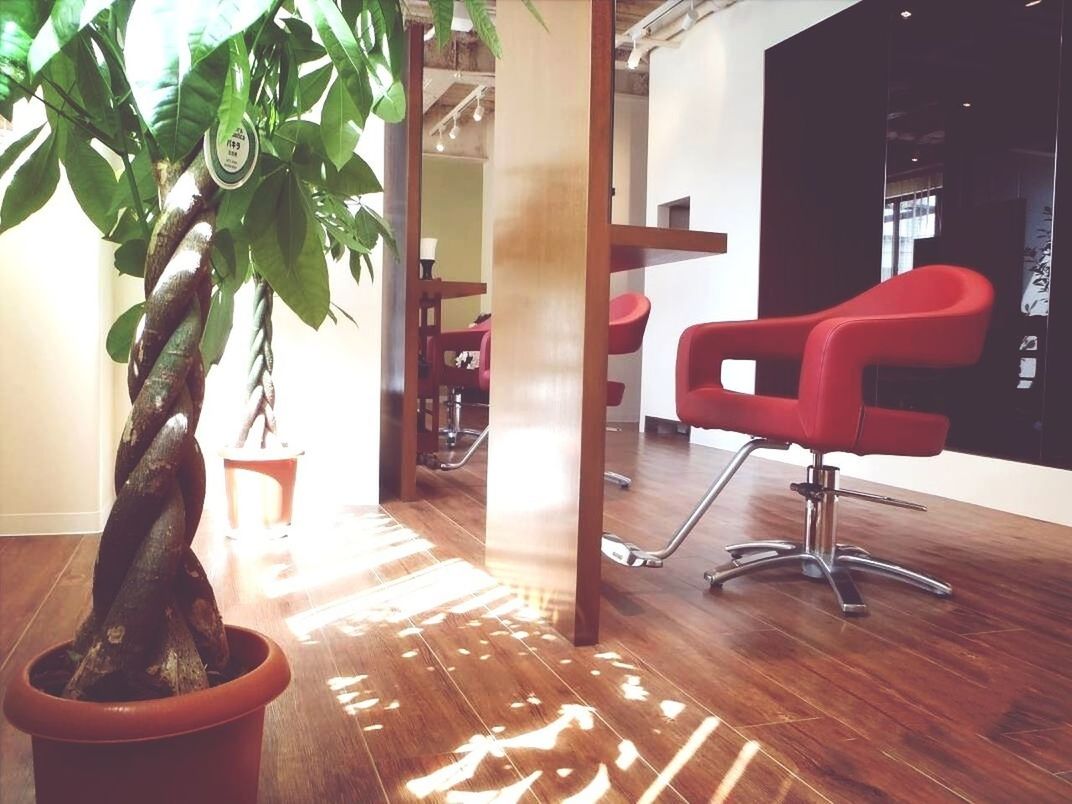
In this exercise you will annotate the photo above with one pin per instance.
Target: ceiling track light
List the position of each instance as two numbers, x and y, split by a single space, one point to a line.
478 112
691 17
453 133
439 146
635 54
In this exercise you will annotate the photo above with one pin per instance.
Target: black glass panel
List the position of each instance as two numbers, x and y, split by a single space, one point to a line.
970 154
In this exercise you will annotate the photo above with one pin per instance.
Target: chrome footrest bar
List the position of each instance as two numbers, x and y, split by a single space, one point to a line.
620 480
813 490
445 466
649 558
627 554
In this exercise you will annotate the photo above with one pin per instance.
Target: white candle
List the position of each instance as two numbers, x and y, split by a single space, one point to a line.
428 245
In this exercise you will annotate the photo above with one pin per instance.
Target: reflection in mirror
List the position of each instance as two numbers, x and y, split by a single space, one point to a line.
971 142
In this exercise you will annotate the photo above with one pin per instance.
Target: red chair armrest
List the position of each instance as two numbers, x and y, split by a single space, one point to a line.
839 349
703 347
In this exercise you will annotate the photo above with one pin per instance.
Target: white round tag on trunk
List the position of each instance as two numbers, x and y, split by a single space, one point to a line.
231 161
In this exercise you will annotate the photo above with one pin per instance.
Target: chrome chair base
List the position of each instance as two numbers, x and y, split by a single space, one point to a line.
751 557
820 556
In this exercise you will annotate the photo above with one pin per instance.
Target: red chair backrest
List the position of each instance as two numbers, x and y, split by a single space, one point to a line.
628 319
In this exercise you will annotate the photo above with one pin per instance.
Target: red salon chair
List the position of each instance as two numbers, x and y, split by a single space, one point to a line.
629 314
628 319
929 317
456 378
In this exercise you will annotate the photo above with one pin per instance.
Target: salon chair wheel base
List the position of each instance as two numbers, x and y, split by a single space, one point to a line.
751 557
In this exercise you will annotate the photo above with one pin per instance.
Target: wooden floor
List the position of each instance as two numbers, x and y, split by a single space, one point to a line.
417 678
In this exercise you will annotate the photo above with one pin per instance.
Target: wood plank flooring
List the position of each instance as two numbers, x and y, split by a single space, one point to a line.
418 678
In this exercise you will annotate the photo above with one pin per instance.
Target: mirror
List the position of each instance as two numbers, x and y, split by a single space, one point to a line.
970 154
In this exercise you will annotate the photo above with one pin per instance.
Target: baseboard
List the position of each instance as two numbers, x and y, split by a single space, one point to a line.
1039 492
60 524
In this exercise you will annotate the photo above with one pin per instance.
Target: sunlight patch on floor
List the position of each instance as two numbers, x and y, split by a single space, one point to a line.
457 593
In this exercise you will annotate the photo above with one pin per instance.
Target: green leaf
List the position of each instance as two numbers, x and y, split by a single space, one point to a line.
286 101
356 178
343 231
260 216
311 87
93 182
32 185
177 100
295 135
341 45
301 41
142 169
19 23
483 25
234 203
345 314
121 335
355 265
92 84
391 107
386 19
442 17
68 17
61 84
214 23
302 284
235 89
368 217
14 151
126 229
230 258
531 6
130 257
243 269
340 125
292 219
217 326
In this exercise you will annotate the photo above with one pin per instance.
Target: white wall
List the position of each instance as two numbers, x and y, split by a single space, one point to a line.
628 206
55 395
705 142
327 387
63 402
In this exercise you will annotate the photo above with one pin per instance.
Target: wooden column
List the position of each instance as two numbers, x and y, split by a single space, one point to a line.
553 113
402 209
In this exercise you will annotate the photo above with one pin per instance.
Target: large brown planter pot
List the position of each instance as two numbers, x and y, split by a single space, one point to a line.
260 487
202 747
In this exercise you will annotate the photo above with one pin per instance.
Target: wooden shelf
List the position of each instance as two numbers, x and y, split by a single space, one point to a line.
634 247
450 289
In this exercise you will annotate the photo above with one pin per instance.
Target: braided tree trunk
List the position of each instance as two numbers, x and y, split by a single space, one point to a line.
258 422
154 628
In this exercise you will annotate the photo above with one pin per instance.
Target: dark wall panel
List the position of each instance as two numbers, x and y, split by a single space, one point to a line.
824 154
1057 392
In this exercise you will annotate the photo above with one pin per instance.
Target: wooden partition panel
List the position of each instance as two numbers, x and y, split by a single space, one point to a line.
553 116
402 209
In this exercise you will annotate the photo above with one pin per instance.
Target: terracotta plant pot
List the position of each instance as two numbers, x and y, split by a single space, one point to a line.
203 747
260 487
